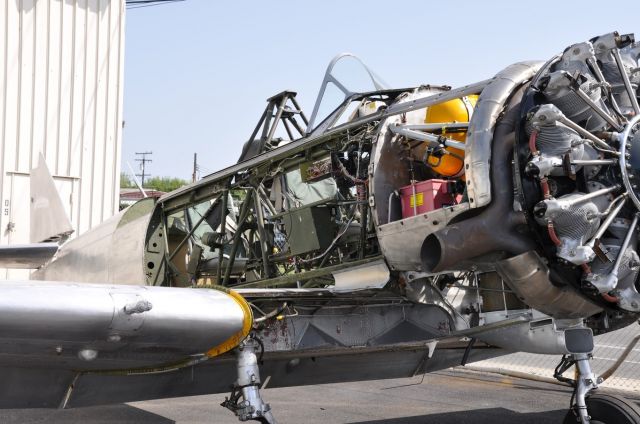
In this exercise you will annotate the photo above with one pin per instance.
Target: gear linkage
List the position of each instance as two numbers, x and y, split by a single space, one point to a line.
585 382
245 400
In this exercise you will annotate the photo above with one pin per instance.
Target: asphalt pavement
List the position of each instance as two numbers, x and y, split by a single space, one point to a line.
446 397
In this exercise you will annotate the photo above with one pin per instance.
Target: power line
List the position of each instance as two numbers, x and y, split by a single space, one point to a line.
136 4
143 166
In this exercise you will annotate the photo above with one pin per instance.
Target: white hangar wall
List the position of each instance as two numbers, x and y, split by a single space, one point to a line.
61 95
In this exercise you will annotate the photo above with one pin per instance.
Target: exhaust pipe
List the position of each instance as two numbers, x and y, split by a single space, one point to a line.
496 227
529 277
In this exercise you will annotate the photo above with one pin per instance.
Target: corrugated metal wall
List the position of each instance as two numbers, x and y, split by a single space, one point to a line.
61 95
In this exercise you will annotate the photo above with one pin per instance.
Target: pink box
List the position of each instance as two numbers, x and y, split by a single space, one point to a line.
429 195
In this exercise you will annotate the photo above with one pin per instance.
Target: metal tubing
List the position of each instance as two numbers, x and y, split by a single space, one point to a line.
594 162
625 79
438 126
257 128
597 109
495 228
415 200
183 195
266 124
261 233
590 196
286 127
608 220
593 63
193 229
625 244
237 236
281 106
223 234
364 223
610 281
283 280
296 126
302 115
267 202
432 139
586 134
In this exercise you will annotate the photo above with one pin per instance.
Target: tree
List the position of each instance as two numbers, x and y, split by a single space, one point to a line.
125 181
165 183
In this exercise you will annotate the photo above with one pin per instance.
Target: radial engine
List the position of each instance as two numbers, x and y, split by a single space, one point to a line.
551 174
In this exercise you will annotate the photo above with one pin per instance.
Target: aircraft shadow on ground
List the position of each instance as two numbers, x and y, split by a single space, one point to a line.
481 416
107 414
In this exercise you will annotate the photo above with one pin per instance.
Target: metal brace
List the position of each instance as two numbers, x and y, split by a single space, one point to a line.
245 400
586 382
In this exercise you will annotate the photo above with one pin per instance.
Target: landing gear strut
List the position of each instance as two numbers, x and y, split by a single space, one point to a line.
245 400
596 408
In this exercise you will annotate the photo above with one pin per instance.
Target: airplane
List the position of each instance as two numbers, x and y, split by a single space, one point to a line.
409 230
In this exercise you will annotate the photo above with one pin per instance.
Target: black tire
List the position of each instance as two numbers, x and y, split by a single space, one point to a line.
608 409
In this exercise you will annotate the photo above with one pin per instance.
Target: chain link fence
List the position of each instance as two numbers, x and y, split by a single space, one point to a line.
608 348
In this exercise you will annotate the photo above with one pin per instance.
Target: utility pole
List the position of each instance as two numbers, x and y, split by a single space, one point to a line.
194 176
143 163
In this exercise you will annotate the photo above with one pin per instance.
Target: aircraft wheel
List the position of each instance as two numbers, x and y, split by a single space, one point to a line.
608 409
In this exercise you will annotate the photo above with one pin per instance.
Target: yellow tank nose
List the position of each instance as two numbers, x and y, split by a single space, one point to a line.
456 110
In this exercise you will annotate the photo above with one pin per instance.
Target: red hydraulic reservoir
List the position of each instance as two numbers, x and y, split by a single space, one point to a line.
425 196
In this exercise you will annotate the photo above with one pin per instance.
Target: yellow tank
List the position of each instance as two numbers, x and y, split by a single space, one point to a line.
456 110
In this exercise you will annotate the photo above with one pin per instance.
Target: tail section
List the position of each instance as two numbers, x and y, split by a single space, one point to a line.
49 221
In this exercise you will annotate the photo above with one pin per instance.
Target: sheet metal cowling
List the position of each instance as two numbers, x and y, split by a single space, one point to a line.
127 326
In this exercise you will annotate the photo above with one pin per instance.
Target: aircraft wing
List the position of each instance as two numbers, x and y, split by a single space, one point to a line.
27 256
70 344
52 332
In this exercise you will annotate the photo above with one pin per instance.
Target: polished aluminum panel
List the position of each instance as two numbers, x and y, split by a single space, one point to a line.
27 256
490 105
89 326
111 253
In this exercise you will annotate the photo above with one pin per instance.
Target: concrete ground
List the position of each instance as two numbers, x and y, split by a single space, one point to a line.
446 397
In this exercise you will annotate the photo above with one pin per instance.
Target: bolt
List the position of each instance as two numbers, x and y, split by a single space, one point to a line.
88 354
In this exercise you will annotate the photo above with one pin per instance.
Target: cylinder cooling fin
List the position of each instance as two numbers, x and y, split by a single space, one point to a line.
578 160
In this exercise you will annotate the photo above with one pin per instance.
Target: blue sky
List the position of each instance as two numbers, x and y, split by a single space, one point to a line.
198 72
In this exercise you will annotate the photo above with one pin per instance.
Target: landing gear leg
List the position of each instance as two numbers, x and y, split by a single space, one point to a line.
585 383
245 400
597 408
